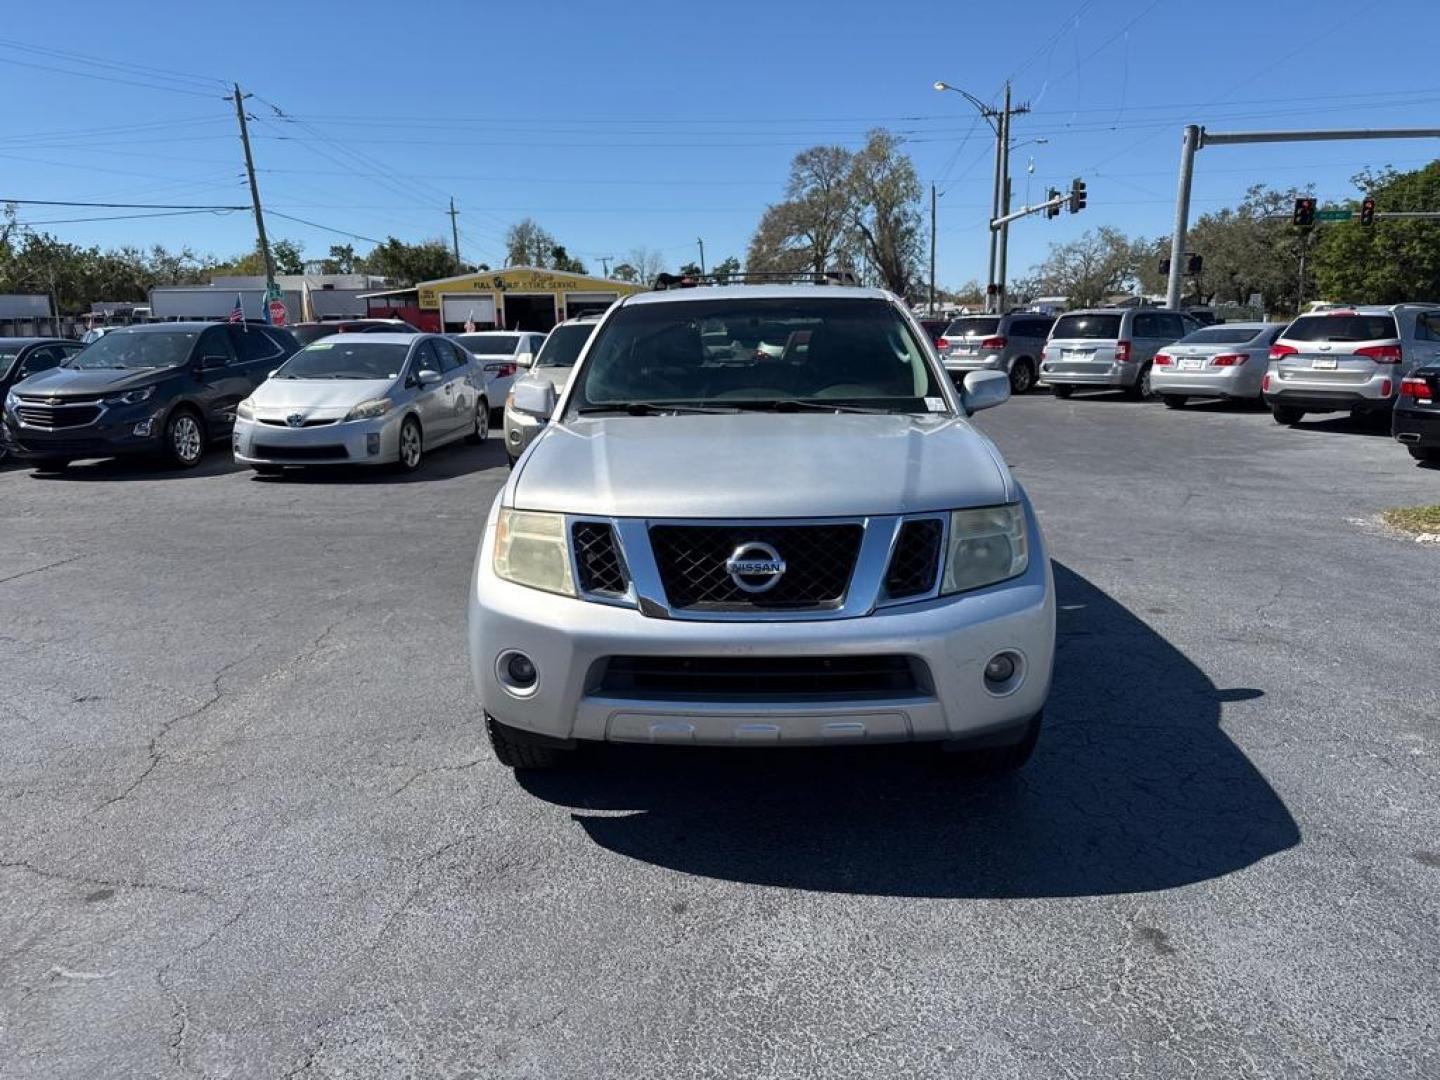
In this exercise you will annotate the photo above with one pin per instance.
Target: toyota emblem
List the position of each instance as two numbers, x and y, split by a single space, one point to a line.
295 419
755 567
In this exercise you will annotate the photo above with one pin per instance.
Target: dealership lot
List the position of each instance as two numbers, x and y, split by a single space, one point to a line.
252 829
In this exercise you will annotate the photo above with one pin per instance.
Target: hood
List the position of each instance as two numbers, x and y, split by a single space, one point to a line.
318 396
82 382
761 465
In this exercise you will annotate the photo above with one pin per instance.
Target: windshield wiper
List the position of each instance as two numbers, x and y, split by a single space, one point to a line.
650 408
817 404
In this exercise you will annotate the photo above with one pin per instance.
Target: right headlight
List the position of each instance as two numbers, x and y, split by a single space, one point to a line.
531 549
986 546
245 410
12 402
369 410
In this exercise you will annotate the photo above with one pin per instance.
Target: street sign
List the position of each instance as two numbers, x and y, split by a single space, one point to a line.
277 312
272 292
1334 215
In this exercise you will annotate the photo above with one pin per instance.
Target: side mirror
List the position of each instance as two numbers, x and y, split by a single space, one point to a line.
985 390
536 398
525 359
429 377
273 373
212 362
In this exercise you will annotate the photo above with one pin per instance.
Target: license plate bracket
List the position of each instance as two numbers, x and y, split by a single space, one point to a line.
1324 363
1191 363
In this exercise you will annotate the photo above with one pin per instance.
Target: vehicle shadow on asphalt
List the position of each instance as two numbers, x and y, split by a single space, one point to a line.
217 462
447 463
1134 787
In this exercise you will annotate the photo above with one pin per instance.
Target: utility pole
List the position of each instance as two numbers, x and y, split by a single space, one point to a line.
701 242
933 197
605 265
1003 185
993 118
454 233
255 196
1300 286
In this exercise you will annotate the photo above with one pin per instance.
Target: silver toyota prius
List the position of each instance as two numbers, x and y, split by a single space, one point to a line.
363 399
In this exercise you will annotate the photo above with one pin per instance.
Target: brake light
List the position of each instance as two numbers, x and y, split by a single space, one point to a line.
1279 351
992 343
1419 389
944 342
1229 359
1161 360
501 371
1122 351
1381 354
1265 384
1385 387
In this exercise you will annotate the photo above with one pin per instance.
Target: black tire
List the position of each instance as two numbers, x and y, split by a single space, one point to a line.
1173 401
1140 389
412 446
1424 453
1061 390
51 464
1285 414
266 470
497 416
184 439
480 430
516 750
1022 375
4 454
512 459
999 760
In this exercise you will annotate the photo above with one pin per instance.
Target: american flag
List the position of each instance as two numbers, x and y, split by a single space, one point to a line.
470 323
237 313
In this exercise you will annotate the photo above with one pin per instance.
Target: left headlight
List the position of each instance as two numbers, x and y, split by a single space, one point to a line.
132 397
245 410
11 401
986 546
530 549
369 410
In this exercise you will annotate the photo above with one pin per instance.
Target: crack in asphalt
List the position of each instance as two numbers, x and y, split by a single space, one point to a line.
40 569
113 883
420 773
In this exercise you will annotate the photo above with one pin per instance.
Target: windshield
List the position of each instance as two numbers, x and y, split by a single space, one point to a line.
978 326
1087 326
762 353
345 359
489 344
1341 328
136 349
562 347
6 359
1222 335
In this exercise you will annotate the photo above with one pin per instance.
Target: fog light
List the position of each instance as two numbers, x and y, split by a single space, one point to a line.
372 442
145 428
1000 669
521 670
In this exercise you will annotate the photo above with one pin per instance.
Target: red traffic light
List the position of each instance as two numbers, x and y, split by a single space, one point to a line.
1367 211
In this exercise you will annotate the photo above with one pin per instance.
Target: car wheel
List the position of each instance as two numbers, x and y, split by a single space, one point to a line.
999 760
511 458
1141 389
51 464
1173 401
1424 453
4 454
517 750
1284 414
184 439
1061 390
411 445
481 430
1022 375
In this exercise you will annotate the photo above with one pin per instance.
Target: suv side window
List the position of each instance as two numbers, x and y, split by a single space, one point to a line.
215 342
1427 326
1145 326
1177 326
254 345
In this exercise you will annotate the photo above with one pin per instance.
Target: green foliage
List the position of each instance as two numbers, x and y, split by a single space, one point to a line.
1390 261
405 264
725 267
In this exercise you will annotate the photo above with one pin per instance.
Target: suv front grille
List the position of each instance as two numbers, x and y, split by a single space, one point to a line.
597 558
819 560
37 412
732 678
916 558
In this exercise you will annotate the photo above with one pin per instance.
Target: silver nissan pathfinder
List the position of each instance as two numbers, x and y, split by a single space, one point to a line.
804 542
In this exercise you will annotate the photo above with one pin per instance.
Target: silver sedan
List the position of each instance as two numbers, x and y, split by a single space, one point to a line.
1224 361
363 399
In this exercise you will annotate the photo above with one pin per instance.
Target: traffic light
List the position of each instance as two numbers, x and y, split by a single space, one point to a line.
1194 264
1164 267
1367 211
1051 196
1305 212
1077 195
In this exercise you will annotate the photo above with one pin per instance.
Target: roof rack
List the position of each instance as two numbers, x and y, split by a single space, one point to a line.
757 277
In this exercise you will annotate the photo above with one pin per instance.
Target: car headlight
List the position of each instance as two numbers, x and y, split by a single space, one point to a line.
245 410
986 546
11 401
369 410
530 549
132 397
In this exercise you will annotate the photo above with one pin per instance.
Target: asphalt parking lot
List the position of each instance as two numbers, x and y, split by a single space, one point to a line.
251 826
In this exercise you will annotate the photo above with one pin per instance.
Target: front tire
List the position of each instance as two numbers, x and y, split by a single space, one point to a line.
1022 375
51 464
184 439
411 446
516 750
1061 390
481 429
1000 760
1173 401
1424 453
1285 414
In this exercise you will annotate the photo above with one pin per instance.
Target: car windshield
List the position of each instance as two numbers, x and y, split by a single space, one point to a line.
489 344
6 360
974 326
1087 326
766 353
340 358
1341 328
1222 335
562 347
136 349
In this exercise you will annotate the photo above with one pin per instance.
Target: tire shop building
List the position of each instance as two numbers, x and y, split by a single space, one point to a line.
516 298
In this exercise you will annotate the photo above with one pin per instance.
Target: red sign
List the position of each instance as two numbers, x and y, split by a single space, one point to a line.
277 312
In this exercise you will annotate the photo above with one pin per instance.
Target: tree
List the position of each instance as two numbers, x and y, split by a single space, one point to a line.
812 228
885 210
625 272
560 259
405 264
1089 268
1390 261
527 244
342 260
725 268
647 262
689 269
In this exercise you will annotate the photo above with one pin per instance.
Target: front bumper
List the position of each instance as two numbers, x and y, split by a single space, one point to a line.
113 434
353 442
570 640
520 431
1416 427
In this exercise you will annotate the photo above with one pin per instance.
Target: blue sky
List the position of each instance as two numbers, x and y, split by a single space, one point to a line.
643 123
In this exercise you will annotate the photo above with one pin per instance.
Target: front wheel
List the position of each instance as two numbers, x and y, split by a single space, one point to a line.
1424 453
184 439
1173 401
411 445
1061 390
1000 760
1285 414
516 750
481 429
1022 376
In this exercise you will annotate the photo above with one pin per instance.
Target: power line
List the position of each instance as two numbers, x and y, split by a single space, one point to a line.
104 78
114 65
117 205
132 217
324 228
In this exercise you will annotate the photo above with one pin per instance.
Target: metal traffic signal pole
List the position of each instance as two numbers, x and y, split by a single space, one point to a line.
1197 138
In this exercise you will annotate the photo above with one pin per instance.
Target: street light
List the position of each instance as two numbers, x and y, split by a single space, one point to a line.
993 118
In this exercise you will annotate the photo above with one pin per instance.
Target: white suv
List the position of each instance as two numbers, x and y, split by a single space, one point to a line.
800 540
